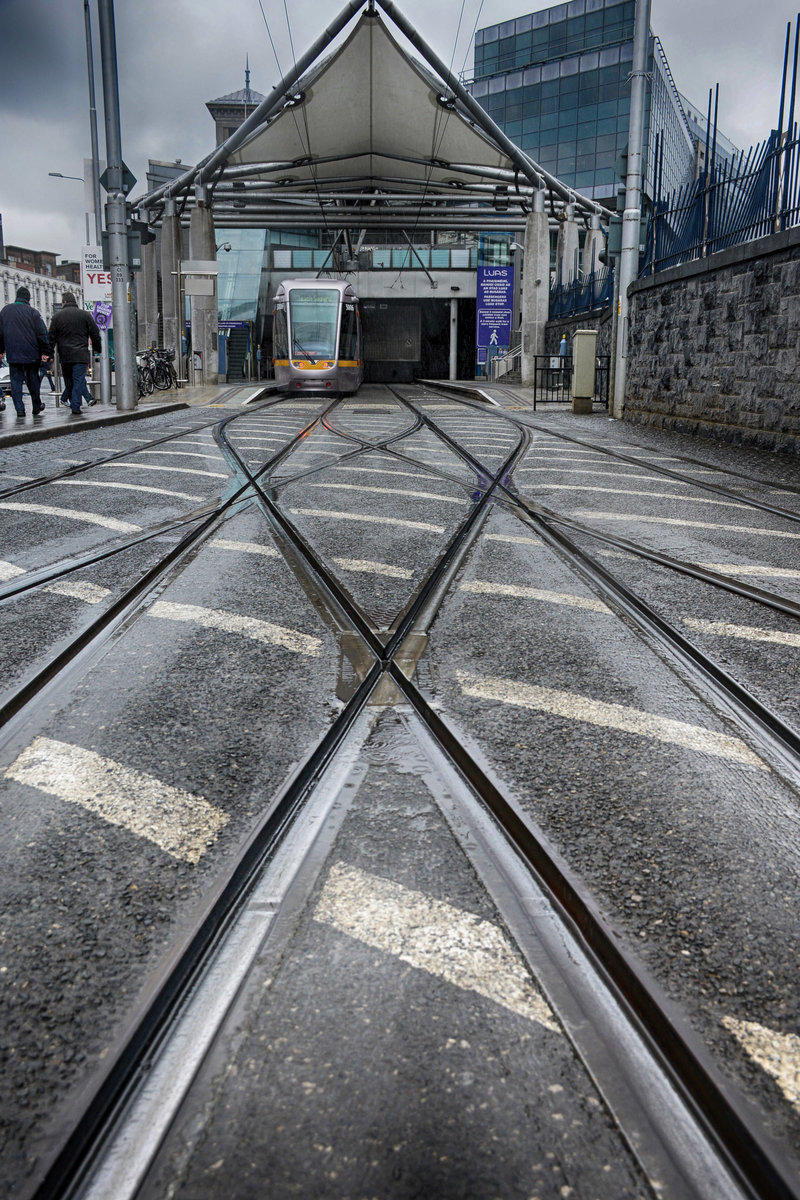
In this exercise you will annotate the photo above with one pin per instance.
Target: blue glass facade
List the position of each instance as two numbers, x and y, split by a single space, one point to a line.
557 82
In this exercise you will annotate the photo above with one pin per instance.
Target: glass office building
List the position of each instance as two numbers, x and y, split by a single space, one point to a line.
557 82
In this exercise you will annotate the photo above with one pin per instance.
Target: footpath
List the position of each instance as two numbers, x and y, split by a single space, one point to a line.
57 420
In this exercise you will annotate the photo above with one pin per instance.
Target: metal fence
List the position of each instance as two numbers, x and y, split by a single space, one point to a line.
552 379
734 200
595 290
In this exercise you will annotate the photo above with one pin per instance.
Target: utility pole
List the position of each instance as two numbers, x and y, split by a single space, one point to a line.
118 183
105 358
631 218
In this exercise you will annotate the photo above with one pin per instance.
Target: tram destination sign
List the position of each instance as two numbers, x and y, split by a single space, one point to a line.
495 306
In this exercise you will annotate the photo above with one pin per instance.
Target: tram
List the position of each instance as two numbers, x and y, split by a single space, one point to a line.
316 336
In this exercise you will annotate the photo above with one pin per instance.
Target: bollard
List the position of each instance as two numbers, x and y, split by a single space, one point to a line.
584 359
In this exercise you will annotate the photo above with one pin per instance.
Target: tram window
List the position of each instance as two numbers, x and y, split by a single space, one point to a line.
314 321
280 333
348 339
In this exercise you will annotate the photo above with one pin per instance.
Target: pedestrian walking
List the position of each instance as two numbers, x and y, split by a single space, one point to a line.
71 329
23 339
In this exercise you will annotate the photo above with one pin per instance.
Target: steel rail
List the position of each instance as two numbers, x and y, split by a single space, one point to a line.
128 1066
122 607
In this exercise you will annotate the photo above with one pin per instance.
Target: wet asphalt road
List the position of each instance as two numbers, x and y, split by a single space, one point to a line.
204 699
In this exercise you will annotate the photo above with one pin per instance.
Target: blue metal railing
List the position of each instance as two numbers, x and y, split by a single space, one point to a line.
595 290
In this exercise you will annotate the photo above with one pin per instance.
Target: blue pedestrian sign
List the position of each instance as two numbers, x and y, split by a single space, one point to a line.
495 307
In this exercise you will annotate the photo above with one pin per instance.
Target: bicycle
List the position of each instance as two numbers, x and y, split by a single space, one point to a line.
164 376
144 373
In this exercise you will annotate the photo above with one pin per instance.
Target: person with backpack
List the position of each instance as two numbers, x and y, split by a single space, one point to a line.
71 330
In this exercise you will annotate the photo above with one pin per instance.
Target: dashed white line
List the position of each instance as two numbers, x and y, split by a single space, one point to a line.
172 470
609 716
245 547
510 537
181 454
179 822
687 524
467 951
487 588
69 514
128 487
345 516
603 474
231 622
9 570
91 593
369 567
384 473
588 487
751 569
354 487
750 633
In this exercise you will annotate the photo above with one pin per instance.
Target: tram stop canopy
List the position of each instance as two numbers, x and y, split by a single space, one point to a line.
367 137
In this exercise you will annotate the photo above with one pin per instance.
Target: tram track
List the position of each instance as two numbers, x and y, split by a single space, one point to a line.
747 1154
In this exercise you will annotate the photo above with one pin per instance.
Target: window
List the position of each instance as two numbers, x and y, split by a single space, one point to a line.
348 337
314 316
280 335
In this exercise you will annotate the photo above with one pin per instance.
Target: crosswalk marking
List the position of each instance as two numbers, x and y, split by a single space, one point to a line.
469 952
179 822
610 716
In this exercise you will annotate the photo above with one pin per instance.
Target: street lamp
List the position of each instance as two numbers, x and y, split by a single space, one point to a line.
80 179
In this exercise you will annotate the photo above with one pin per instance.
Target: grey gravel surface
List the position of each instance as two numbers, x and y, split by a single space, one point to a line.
351 1070
691 848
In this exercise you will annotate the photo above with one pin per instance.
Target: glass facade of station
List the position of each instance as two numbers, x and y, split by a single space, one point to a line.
557 82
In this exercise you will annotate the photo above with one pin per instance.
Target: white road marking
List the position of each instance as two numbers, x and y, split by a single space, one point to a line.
90 592
245 547
373 568
344 516
776 1053
603 474
750 569
181 454
430 935
180 823
128 487
384 473
487 588
68 514
172 470
509 537
588 487
231 622
750 633
354 487
609 716
20 478
686 523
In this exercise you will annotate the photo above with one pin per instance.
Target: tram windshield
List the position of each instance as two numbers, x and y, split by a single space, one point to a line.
314 322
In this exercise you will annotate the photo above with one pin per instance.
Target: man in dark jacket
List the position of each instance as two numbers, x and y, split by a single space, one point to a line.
70 331
23 339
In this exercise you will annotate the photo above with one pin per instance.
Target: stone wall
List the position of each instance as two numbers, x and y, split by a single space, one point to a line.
599 319
715 345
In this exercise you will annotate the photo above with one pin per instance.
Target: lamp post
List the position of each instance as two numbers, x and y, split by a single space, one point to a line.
80 179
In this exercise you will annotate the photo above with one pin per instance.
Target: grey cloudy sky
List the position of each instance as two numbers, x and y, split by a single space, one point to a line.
174 55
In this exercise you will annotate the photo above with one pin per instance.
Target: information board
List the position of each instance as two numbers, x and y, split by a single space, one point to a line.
495 308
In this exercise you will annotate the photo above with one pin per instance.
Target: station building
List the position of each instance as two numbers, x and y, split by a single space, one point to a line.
557 81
